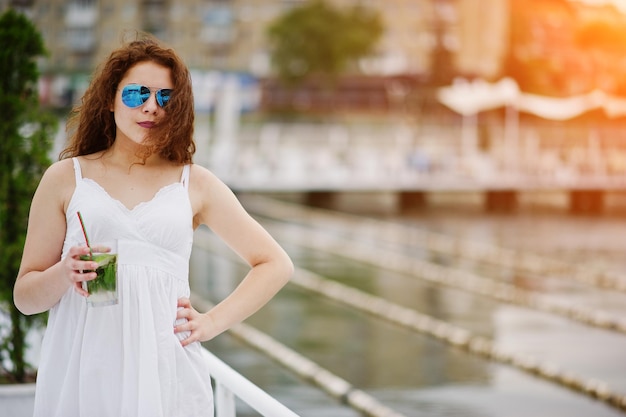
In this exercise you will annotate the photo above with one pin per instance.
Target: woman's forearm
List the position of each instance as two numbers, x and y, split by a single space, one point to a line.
37 291
257 288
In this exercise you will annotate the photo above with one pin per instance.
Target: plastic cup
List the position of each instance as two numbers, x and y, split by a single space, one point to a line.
103 289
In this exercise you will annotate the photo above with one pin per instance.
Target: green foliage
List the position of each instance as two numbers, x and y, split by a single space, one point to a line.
25 143
318 39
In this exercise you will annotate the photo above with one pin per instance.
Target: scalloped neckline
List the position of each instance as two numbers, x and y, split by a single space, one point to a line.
141 203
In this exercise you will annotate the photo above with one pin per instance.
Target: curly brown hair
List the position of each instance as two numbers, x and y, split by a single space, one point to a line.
91 125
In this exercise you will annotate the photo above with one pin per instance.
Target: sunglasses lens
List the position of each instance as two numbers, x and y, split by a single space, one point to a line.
135 95
163 96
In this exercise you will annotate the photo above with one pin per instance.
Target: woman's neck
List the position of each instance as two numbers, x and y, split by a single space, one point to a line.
126 153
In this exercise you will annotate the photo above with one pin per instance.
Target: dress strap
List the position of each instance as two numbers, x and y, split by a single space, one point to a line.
77 171
184 178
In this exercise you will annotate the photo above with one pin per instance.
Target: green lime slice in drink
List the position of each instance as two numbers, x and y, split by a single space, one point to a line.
103 259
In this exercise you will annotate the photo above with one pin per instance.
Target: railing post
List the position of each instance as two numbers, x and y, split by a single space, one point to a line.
230 384
224 401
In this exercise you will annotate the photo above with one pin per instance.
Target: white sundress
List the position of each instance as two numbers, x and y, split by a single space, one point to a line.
125 360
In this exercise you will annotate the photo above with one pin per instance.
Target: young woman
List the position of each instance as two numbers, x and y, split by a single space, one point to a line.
128 170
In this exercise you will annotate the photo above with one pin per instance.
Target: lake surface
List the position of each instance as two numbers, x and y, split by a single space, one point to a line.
413 373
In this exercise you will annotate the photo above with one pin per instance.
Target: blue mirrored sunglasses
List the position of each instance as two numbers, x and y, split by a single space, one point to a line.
134 95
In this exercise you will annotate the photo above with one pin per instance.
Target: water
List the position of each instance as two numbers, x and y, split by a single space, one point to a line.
420 376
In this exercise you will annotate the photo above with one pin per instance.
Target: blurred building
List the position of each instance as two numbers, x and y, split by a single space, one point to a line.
229 34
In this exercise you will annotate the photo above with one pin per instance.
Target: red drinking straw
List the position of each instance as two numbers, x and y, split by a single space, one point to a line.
82 225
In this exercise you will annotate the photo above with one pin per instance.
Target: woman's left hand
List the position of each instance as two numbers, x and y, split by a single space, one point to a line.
198 325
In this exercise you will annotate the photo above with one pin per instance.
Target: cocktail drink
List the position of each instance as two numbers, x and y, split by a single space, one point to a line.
103 289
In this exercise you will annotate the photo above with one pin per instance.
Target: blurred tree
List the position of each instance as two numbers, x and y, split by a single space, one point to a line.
607 35
563 48
318 39
541 54
25 134
602 42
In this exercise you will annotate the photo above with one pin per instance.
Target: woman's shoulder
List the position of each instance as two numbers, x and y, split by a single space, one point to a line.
60 171
210 197
59 176
201 175
204 181
57 183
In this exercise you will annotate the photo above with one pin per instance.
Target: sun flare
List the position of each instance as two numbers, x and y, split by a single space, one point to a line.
619 4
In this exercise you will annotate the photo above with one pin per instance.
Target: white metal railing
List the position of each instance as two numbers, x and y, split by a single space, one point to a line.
229 384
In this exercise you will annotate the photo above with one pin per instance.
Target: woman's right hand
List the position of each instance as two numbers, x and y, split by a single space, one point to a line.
76 270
